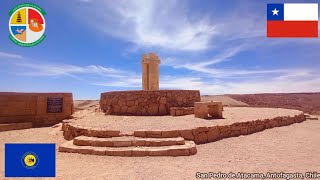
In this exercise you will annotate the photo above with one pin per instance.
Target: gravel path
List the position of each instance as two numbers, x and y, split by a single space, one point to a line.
293 148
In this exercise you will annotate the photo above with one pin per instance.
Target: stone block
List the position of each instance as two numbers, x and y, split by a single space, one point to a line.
154 133
81 142
139 152
187 134
140 133
157 152
224 131
116 152
193 150
163 100
178 152
122 143
244 131
213 134
96 143
86 150
162 109
138 143
170 134
212 108
107 143
202 138
172 112
153 109
99 151
110 133
235 133
202 129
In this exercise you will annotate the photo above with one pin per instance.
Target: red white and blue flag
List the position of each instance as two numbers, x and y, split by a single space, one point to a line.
292 20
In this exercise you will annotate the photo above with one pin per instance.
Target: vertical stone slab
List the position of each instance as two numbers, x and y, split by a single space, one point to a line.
145 69
150 71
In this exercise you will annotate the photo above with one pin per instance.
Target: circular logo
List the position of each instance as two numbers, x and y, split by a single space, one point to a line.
30 160
27 25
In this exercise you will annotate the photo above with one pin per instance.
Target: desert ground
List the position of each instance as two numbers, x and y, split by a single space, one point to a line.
306 102
290 149
293 148
90 118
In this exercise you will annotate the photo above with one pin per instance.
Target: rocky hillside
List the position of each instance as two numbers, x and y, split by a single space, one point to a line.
307 102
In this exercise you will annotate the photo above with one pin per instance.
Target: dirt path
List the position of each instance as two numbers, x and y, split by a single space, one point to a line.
293 148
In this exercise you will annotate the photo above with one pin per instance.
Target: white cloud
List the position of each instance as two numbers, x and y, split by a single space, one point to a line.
225 55
92 74
289 80
150 23
42 69
207 66
129 82
33 68
263 85
10 55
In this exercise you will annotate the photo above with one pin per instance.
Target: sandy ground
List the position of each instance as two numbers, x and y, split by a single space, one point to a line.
226 100
89 118
293 148
85 104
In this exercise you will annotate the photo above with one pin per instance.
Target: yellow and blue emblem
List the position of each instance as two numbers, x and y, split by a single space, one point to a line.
30 160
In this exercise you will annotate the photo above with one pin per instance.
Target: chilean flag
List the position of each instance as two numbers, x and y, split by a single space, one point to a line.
292 20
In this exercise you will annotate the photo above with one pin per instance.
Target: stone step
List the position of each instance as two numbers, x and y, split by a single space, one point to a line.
126 141
306 115
189 148
312 118
15 126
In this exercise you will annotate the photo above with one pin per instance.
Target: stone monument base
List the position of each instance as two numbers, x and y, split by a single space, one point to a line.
147 103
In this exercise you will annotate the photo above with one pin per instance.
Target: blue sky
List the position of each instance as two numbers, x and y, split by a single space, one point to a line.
218 47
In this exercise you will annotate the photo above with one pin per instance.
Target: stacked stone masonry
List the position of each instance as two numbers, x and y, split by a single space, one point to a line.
32 107
199 134
181 111
147 103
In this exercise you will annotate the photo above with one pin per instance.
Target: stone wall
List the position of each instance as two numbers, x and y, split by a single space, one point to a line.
147 103
181 111
205 134
33 107
199 135
15 126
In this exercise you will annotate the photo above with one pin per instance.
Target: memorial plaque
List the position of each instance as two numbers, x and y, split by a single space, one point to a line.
54 105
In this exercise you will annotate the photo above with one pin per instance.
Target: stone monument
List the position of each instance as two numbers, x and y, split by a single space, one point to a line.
150 71
150 101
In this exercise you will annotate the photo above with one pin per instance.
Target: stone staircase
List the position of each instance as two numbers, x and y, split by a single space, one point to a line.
130 146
